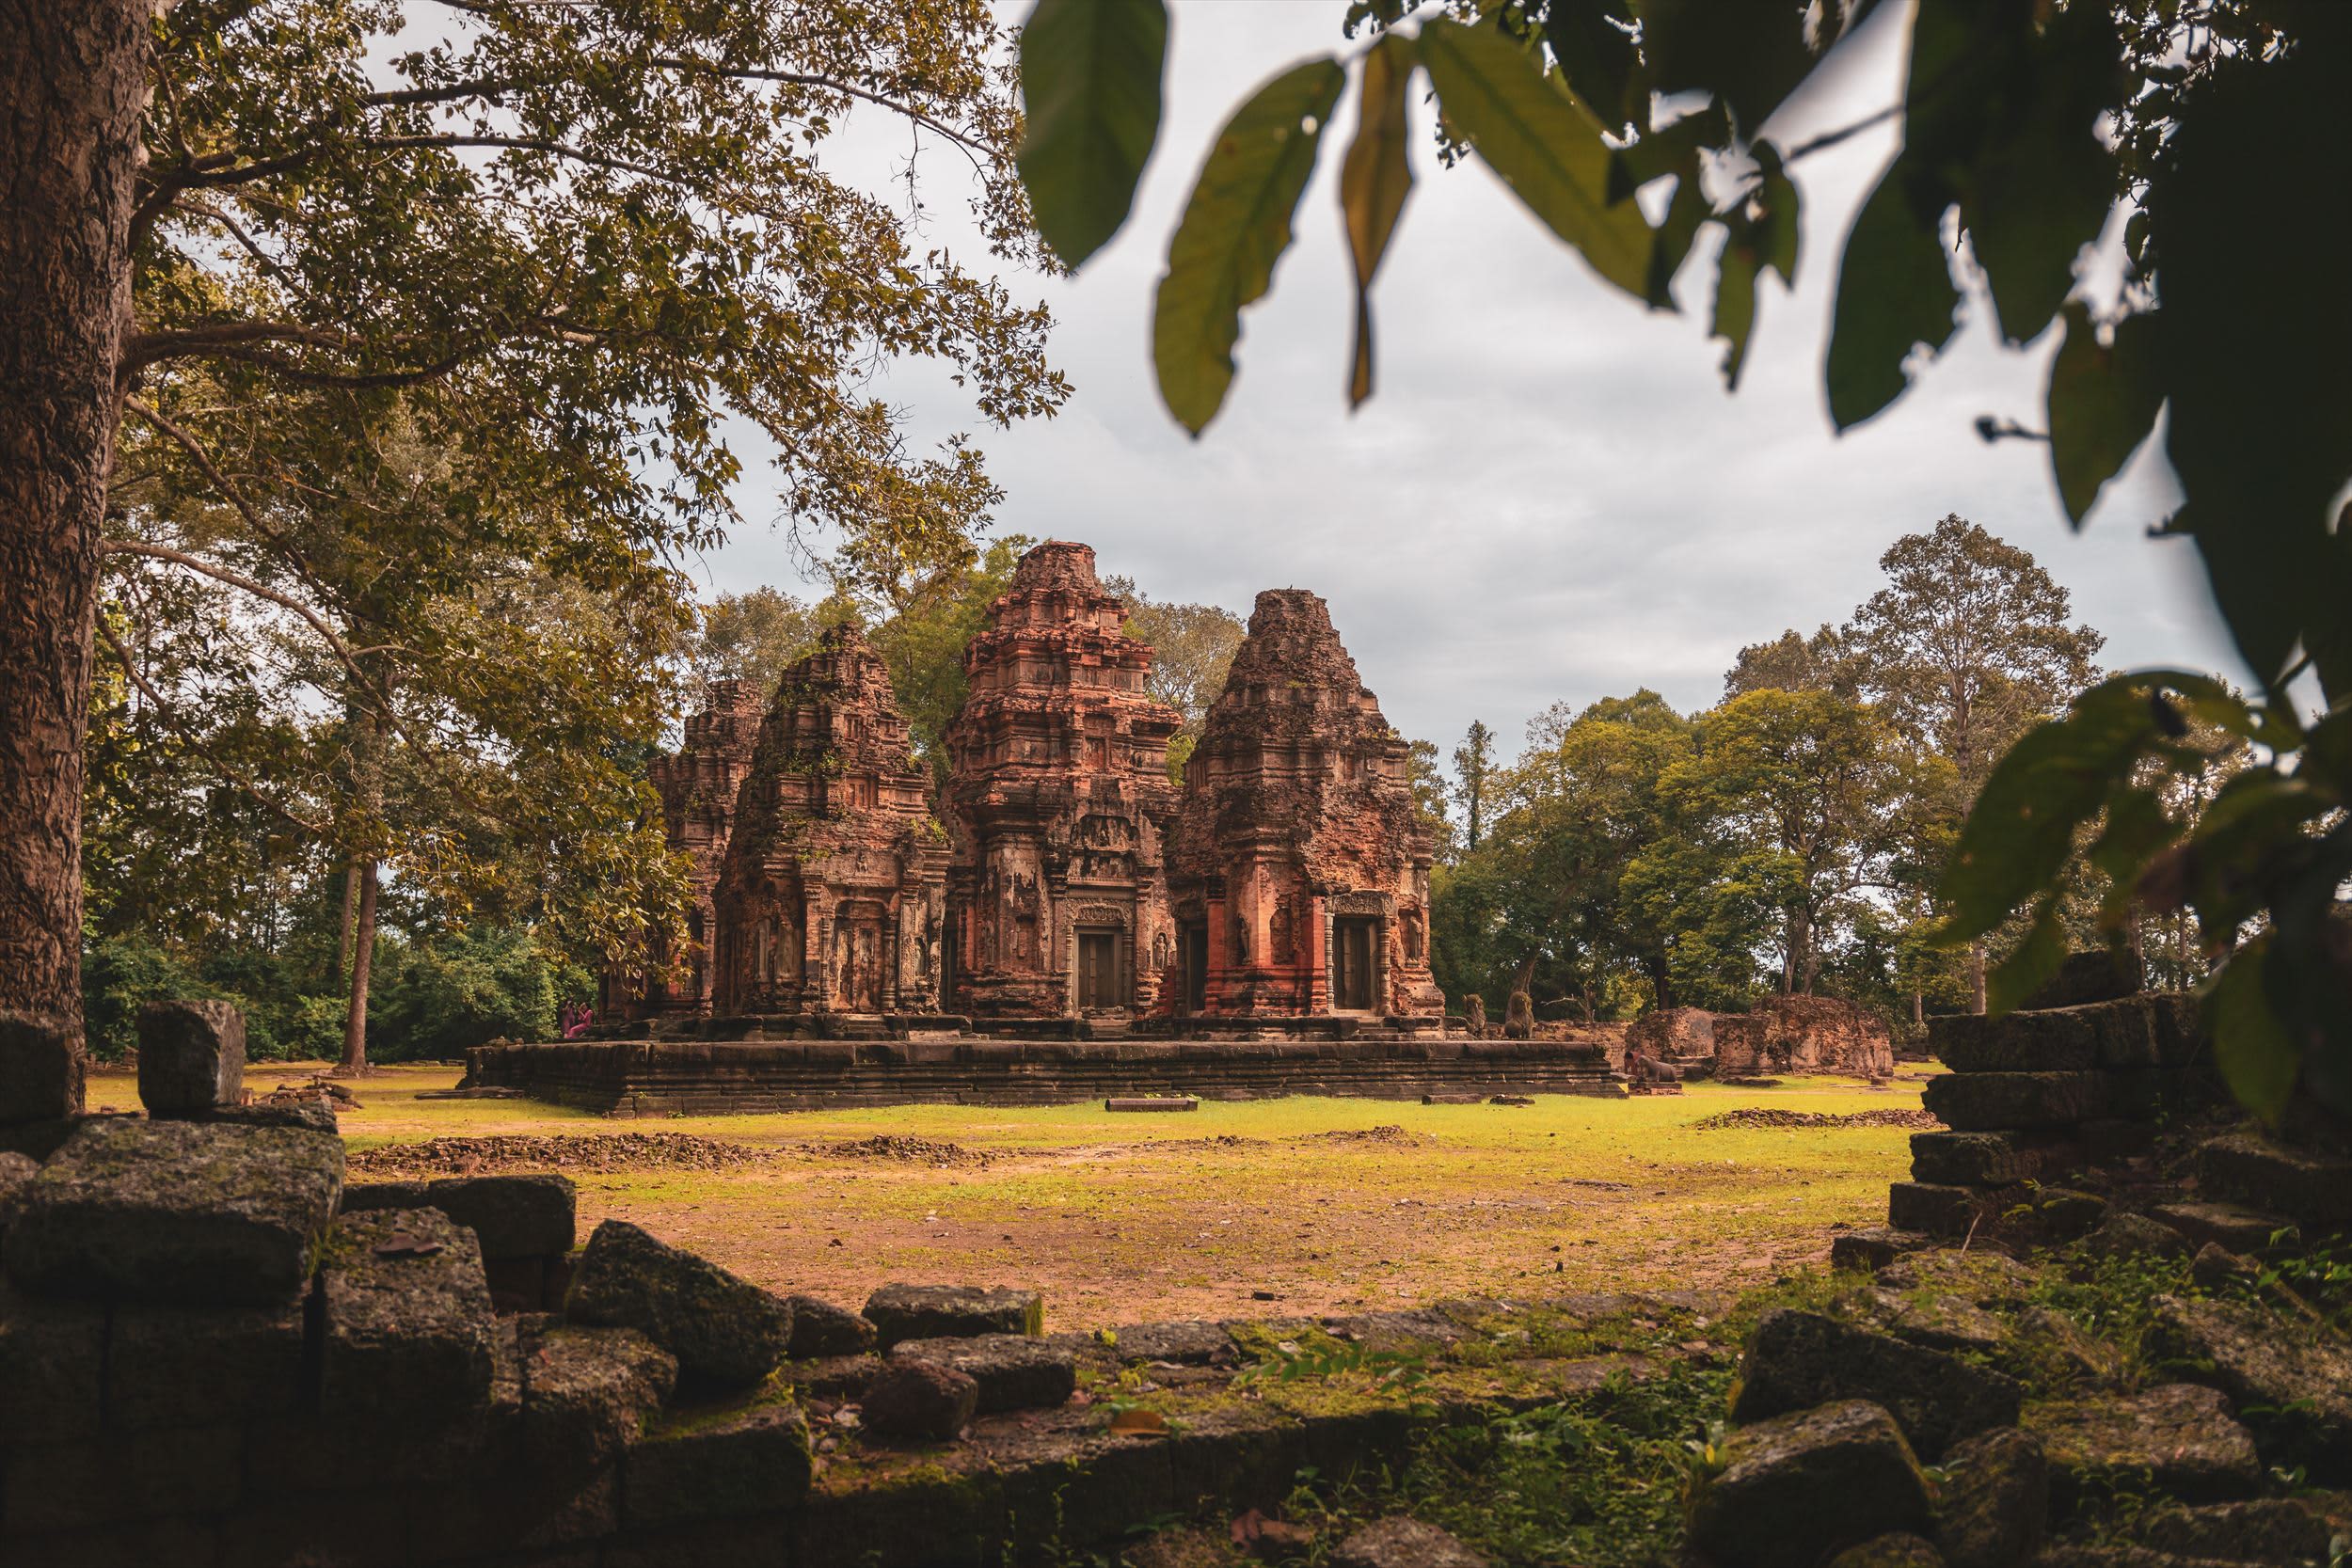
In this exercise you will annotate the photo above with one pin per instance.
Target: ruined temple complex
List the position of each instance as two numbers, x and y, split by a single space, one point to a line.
1066 877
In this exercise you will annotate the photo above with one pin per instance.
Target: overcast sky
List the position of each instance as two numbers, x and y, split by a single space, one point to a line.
1551 496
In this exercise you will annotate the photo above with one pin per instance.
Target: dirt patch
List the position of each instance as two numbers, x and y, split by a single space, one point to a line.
598 1154
911 1151
1761 1116
1387 1132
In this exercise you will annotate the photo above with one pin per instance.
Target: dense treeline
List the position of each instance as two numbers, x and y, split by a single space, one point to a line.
1789 838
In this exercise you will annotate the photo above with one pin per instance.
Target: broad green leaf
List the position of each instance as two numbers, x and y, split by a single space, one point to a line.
2103 399
1894 292
1598 59
2253 1048
2056 778
1541 142
1234 229
1751 53
1762 233
1374 182
2031 965
1673 151
1090 73
2037 187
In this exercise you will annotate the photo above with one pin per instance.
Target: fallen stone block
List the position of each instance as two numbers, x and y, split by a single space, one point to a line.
1996 1101
136 1475
2123 1235
1986 1279
920 1401
179 1211
1184 1344
1873 1247
1402 1542
1975 1159
1945 1322
360 1196
15 1170
2180 1438
1937 1210
1452 1099
514 1216
2061 1039
724 1331
1013 1372
2286 1532
1154 1103
2301 1383
820 1328
2227 1225
2315 1190
711 1466
1993 1505
41 1070
952 1311
298 1115
183 1366
1794 1360
405 1317
587 1393
2063 1213
191 1056
1801 1487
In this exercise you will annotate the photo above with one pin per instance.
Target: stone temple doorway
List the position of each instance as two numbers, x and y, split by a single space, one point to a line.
1100 981
1351 963
1192 945
860 982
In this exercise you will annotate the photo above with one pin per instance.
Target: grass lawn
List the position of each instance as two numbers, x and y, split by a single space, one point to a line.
1329 1204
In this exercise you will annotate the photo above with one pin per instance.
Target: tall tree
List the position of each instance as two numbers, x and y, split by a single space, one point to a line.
1474 780
750 637
1192 647
1793 662
1965 648
574 241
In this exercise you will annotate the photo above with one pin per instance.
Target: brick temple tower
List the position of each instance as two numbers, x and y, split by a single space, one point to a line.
698 785
1059 800
832 898
1300 876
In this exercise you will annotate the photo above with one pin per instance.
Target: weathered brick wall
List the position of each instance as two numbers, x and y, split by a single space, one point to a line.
698 1077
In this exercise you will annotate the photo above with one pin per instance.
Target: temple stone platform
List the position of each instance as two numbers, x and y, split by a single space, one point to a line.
706 1077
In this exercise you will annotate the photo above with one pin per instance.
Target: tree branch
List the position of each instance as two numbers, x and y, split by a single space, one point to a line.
171 717
205 466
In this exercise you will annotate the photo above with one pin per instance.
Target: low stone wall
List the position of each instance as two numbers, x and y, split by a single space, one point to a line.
627 1078
1781 1034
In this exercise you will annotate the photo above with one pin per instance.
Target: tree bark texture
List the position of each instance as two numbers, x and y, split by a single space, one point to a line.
72 87
362 961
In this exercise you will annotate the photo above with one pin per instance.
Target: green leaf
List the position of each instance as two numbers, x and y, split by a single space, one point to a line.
1673 151
1090 73
2031 964
1234 229
2253 1048
1762 233
1751 55
1894 292
2037 187
1541 142
2103 399
1598 59
1374 180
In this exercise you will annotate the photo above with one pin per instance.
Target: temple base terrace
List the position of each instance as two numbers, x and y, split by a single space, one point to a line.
1351 1057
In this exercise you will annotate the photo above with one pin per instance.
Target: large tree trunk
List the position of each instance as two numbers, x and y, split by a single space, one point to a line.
72 85
350 912
362 961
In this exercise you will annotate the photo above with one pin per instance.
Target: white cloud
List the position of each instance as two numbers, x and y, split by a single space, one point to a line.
1551 496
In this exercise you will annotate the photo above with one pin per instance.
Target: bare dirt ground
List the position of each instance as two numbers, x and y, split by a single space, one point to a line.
1290 1205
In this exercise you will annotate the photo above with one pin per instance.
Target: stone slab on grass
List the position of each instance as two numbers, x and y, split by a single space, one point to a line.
1931 1207
1993 1505
2314 1189
191 1056
1014 1372
1998 1101
514 1216
952 1311
2303 1383
1873 1247
2179 1437
924 1402
1794 1360
820 1329
1186 1344
176 1212
724 1331
1799 1488
407 1327
711 1466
